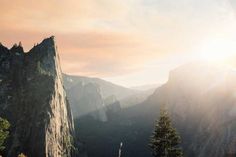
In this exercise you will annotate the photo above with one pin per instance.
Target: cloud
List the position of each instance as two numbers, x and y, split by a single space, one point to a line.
103 54
59 15
109 38
233 5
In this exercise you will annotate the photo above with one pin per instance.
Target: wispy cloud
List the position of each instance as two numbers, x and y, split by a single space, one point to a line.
110 38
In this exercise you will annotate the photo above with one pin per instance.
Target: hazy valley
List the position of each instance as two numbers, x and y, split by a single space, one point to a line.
83 116
201 99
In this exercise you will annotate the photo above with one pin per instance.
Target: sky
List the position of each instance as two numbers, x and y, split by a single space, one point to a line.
128 42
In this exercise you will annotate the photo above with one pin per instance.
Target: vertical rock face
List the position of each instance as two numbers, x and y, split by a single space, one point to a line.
32 98
86 99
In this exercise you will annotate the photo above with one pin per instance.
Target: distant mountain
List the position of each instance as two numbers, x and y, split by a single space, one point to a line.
32 98
107 88
85 99
201 99
94 96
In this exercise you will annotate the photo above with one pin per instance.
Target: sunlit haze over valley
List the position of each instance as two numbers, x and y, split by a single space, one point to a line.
132 42
118 78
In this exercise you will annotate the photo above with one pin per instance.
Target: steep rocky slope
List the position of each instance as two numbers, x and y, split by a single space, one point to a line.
106 88
32 98
95 96
202 101
86 99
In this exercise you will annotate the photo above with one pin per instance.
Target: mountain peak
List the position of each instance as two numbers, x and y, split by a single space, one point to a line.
49 41
3 48
32 87
17 48
47 48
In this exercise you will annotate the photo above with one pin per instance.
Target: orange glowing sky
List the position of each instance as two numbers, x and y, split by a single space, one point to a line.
129 42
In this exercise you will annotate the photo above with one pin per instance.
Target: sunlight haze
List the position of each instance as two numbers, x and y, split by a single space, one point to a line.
128 42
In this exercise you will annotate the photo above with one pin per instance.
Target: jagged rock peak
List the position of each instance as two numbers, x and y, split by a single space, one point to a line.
3 48
48 45
17 48
34 101
48 41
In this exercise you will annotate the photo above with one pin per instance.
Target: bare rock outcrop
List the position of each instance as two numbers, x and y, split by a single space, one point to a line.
32 98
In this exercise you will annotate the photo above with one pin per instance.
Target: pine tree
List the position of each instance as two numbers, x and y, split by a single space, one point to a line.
165 140
4 126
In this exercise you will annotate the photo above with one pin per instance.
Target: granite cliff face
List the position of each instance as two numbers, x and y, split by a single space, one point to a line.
92 96
98 98
32 98
86 99
106 88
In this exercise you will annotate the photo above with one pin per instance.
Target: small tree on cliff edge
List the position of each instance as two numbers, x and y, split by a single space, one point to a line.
165 140
4 126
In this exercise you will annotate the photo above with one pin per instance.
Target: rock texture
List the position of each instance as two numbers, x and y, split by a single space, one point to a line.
32 98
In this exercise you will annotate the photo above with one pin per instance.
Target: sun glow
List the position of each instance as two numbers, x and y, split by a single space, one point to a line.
218 51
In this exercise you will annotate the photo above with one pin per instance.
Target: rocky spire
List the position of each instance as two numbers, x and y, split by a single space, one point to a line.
17 48
37 108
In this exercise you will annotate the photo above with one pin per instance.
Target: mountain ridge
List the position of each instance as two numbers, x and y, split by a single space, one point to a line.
204 116
104 85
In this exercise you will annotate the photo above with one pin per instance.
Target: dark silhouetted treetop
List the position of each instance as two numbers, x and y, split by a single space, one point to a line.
165 140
